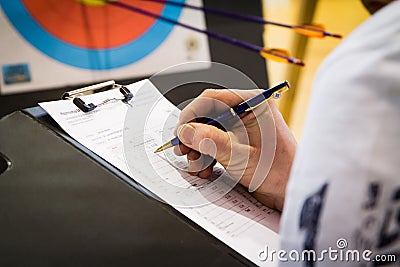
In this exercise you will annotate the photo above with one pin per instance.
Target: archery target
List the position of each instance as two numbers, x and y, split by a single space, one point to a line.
79 42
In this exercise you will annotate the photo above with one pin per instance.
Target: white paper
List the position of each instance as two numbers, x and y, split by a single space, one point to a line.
237 219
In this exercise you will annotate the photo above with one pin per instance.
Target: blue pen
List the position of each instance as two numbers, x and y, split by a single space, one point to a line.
248 105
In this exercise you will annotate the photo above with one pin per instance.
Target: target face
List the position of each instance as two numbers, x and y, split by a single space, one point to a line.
90 36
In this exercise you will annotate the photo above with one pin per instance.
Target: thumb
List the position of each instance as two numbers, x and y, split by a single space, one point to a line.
206 139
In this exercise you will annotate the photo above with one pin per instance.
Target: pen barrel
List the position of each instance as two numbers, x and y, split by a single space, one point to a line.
175 141
252 102
258 99
237 110
225 116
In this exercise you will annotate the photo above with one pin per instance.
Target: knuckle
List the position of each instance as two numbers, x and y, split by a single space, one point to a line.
208 92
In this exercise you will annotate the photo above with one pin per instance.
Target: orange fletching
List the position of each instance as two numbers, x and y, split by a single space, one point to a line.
276 54
311 30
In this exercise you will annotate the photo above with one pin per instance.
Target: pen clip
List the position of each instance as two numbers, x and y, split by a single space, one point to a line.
275 95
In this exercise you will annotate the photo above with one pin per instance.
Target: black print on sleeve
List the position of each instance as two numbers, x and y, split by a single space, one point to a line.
373 191
309 219
379 229
389 235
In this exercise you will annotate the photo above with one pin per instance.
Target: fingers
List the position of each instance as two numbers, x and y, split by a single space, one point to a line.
202 167
207 172
207 140
181 150
195 165
203 138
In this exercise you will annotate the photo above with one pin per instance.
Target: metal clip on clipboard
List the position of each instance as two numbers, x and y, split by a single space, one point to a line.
96 88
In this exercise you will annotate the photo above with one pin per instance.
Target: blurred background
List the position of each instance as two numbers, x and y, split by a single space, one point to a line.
338 16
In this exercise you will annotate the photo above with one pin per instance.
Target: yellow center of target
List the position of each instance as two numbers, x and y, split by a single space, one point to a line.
93 2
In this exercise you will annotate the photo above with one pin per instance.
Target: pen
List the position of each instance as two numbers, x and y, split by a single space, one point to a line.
248 105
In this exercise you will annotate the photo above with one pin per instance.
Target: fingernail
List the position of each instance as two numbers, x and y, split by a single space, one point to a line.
185 134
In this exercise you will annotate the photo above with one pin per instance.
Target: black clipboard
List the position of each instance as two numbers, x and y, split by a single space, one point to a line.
79 199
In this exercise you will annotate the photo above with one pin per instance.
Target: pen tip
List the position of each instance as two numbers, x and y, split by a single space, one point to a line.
164 147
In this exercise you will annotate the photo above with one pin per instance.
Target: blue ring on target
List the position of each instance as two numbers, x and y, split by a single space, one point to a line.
86 58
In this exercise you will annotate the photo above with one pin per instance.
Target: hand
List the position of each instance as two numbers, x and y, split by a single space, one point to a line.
243 149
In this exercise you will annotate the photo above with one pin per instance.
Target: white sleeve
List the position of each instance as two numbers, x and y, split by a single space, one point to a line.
345 181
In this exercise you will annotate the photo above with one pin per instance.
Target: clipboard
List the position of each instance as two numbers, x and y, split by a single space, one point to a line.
41 115
72 225
109 147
